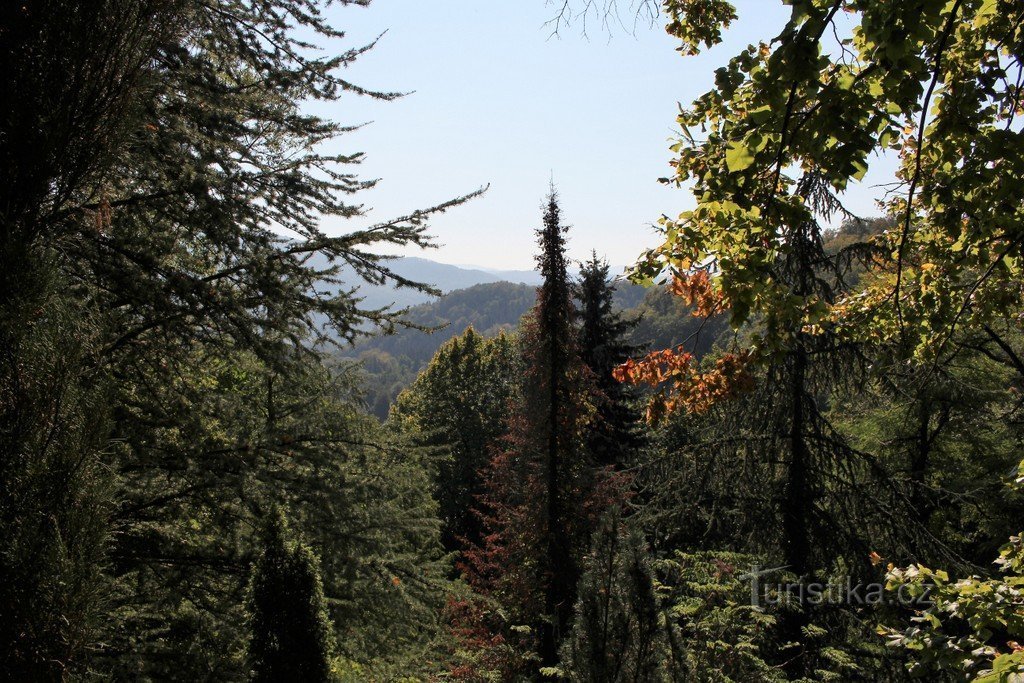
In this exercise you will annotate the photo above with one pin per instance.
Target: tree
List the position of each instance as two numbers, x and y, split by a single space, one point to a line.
968 628
456 407
615 435
786 128
222 161
254 438
713 631
68 73
539 500
154 153
555 363
947 438
292 636
54 488
617 634
928 82
771 385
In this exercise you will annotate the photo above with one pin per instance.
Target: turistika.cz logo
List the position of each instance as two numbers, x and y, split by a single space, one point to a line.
765 593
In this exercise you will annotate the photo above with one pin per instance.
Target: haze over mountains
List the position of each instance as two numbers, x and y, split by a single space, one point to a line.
444 276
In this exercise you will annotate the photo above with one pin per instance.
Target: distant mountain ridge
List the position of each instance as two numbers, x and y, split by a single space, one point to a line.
488 307
444 276
526 277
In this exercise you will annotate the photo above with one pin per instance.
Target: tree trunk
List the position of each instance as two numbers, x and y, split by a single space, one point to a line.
796 510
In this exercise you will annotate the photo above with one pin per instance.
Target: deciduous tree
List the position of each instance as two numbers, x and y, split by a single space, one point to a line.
457 407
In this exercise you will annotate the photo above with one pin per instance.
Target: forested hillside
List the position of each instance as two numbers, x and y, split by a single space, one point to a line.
442 276
390 363
787 449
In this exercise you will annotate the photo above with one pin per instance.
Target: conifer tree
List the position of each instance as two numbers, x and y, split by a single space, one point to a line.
538 487
153 152
776 453
54 489
556 357
68 75
292 638
616 636
603 346
256 438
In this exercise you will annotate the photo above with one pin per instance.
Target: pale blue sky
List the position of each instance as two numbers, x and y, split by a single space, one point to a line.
499 101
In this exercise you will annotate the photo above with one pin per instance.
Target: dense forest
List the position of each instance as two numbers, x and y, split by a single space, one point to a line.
788 449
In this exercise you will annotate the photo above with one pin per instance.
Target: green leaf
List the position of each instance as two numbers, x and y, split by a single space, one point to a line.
738 157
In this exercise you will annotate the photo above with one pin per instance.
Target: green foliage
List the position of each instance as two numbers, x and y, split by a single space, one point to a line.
68 71
161 387
384 378
617 633
969 628
489 308
691 617
615 436
946 442
193 487
392 362
555 411
664 321
221 157
714 632
541 494
152 156
54 487
292 637
456 408
767 154
791 122
697 22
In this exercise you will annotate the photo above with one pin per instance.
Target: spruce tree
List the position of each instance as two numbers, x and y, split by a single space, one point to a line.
557 352
292 638
539 485
616 434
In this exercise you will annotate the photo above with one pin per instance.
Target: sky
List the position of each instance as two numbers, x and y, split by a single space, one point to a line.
495 100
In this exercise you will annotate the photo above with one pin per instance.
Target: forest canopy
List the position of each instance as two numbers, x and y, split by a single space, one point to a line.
789 448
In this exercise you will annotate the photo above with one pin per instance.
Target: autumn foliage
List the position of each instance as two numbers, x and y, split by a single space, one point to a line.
698 291
679 381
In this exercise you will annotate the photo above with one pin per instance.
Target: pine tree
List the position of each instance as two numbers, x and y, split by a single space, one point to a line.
616 433
616 635
292 637
556 357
